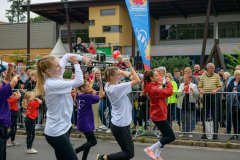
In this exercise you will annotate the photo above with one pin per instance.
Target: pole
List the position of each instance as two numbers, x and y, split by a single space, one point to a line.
133 47
28 34
205 33
69 29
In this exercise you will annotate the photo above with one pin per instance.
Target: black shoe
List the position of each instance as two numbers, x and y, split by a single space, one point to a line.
215 136
134 132
99 157
234 137
204 136
224 125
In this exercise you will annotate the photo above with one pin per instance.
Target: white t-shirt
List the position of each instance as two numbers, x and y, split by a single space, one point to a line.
59 101
121 106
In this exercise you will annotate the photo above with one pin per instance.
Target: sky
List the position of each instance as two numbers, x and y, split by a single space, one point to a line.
5 5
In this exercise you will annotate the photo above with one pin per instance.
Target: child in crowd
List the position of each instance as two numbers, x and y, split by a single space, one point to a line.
13 103
85 119
30 104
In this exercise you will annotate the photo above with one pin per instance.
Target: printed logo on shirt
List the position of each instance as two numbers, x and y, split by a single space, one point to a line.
28 110
81 104
235 89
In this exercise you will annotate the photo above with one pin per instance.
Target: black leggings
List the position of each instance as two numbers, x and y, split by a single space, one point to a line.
30 128
12 132
62 147
91 141
167 132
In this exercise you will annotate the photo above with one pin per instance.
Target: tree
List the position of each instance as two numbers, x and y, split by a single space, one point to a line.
232 61
38 19
17 57
15 14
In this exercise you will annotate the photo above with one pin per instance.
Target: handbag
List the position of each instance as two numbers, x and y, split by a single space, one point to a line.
209 129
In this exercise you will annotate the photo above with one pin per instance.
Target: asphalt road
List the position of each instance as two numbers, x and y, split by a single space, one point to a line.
170 152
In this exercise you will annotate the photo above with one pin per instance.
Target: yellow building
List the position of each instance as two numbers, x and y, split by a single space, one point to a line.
113 23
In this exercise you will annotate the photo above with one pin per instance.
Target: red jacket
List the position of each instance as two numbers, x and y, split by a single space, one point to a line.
92 50
13 104
158 105
31 110
197 74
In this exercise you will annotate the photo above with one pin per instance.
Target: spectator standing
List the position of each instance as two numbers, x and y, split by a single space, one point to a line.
86 76
233 103
79 47
210 82
23 75
162 71
121 64
197 71
176 77
92 49
188 93
232 77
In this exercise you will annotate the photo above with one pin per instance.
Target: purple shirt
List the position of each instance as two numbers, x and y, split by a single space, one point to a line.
85 117
5 113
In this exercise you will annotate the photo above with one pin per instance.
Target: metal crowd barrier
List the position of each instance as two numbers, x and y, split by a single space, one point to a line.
216 115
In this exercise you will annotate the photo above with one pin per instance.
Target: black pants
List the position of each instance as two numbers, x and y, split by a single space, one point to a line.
91 141
235 121
12 132
167 132
124 139
209 103
62 147
3 140
30 128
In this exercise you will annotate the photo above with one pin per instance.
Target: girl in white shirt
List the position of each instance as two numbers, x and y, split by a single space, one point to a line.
121 111
58 99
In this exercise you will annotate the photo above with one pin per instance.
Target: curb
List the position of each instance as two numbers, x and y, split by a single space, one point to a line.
106 137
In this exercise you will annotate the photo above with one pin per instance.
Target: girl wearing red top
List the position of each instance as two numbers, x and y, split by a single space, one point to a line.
30 104
158 111
92 49
14 116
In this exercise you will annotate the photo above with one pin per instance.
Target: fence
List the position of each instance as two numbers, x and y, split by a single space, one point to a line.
212 110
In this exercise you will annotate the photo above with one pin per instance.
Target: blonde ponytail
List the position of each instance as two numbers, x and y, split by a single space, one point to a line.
27 97
42 65
110 72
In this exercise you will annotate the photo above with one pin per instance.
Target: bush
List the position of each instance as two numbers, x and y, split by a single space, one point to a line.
171 63
67 74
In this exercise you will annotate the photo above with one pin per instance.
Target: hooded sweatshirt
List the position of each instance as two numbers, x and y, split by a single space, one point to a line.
158 105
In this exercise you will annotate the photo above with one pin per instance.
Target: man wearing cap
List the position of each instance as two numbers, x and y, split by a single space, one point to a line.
220 73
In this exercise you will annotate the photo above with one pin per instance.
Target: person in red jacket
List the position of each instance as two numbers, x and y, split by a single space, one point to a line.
92 49
158 111
30 104
14 116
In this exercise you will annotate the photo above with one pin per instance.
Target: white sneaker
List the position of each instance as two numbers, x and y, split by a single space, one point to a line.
8 144
31 151
38 126
18 126
103 127
14 143
109 131
190 136
181 135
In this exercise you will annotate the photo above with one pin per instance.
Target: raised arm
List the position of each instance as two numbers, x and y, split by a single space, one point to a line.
8 75
64 60
18 95
78 81
101 88
135 79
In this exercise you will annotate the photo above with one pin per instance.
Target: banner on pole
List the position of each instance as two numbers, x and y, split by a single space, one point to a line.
139 14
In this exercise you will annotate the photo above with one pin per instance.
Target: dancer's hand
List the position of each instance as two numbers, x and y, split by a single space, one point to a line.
73 59
129 65
87 61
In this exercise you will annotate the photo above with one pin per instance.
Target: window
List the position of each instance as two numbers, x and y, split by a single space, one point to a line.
92 22
184 31
228 29
98 40
107 12
112 28
83 33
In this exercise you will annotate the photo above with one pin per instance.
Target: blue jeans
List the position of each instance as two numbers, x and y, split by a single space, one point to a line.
229 124
134 113
103 105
